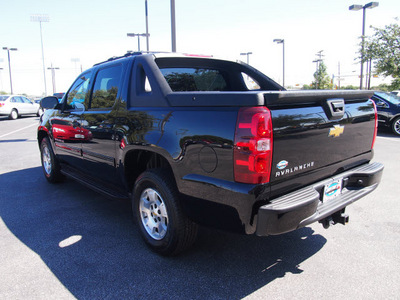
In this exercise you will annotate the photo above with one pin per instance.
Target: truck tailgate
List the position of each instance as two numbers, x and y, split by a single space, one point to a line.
330 133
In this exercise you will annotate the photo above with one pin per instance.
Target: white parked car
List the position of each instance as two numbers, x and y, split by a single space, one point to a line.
16 105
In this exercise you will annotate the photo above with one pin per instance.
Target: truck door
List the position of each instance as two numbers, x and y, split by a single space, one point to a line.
66 125
99 119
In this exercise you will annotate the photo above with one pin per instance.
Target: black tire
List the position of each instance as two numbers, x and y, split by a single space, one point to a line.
396 126
50 165
157 211
13 115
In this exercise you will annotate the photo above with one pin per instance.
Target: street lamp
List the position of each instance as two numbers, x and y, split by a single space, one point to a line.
76 60
9 64
138 37
356 7
282 41
40 19
247 54
53 76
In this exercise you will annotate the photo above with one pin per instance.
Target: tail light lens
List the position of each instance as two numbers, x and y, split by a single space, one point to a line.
376 125
253 145
1 104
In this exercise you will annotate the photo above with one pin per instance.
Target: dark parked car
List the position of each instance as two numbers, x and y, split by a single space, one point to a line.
388 106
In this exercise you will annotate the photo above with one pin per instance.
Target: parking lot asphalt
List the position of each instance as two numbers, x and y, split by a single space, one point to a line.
64 241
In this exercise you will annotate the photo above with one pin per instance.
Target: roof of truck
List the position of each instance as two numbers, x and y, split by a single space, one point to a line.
159 55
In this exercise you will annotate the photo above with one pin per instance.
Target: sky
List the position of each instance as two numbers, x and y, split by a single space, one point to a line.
82 33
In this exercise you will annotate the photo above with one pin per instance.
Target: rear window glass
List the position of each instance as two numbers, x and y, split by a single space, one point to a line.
389 97
195 79
3 98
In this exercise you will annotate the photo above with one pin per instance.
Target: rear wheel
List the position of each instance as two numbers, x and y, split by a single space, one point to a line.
13 115
396 126
51 167
158 213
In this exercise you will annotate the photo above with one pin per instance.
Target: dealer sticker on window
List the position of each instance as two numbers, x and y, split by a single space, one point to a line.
332 190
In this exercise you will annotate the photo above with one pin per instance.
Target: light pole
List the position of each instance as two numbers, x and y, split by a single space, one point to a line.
138 37
75 60
173 27
356 7
53 76
147 27
9 64
247 54
318 61
282 41
40 19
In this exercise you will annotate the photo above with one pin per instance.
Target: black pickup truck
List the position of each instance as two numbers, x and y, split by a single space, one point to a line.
197 140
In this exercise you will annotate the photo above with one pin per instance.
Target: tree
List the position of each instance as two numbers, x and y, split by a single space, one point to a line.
321 79
349 87
383 48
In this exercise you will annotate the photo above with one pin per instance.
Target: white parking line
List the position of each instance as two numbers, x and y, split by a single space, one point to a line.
12 132
388 138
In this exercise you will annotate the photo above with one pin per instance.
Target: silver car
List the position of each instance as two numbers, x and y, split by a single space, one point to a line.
14 106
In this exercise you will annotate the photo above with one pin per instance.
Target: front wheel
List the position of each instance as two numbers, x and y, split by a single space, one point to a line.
50 165
396 126
158 213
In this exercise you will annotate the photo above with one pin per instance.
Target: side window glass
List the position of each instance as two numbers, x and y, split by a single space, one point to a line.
19 100
143 83
79 91
147 86
250 83
26 100
106 86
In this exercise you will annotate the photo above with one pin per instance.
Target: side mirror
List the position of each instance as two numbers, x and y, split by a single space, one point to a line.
381 104
49 102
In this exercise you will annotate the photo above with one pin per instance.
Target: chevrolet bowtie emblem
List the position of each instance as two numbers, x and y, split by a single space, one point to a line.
336 130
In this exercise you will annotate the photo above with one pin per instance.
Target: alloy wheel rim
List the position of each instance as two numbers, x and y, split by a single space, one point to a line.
397 126
153 214
46 160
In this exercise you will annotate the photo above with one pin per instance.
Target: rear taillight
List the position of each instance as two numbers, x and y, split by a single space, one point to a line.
376 126
252 153
1 104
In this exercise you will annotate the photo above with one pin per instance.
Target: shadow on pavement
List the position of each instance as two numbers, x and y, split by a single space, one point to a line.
111 261
387 132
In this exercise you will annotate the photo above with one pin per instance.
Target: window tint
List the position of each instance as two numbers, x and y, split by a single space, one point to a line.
106 86
79 91
194 79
